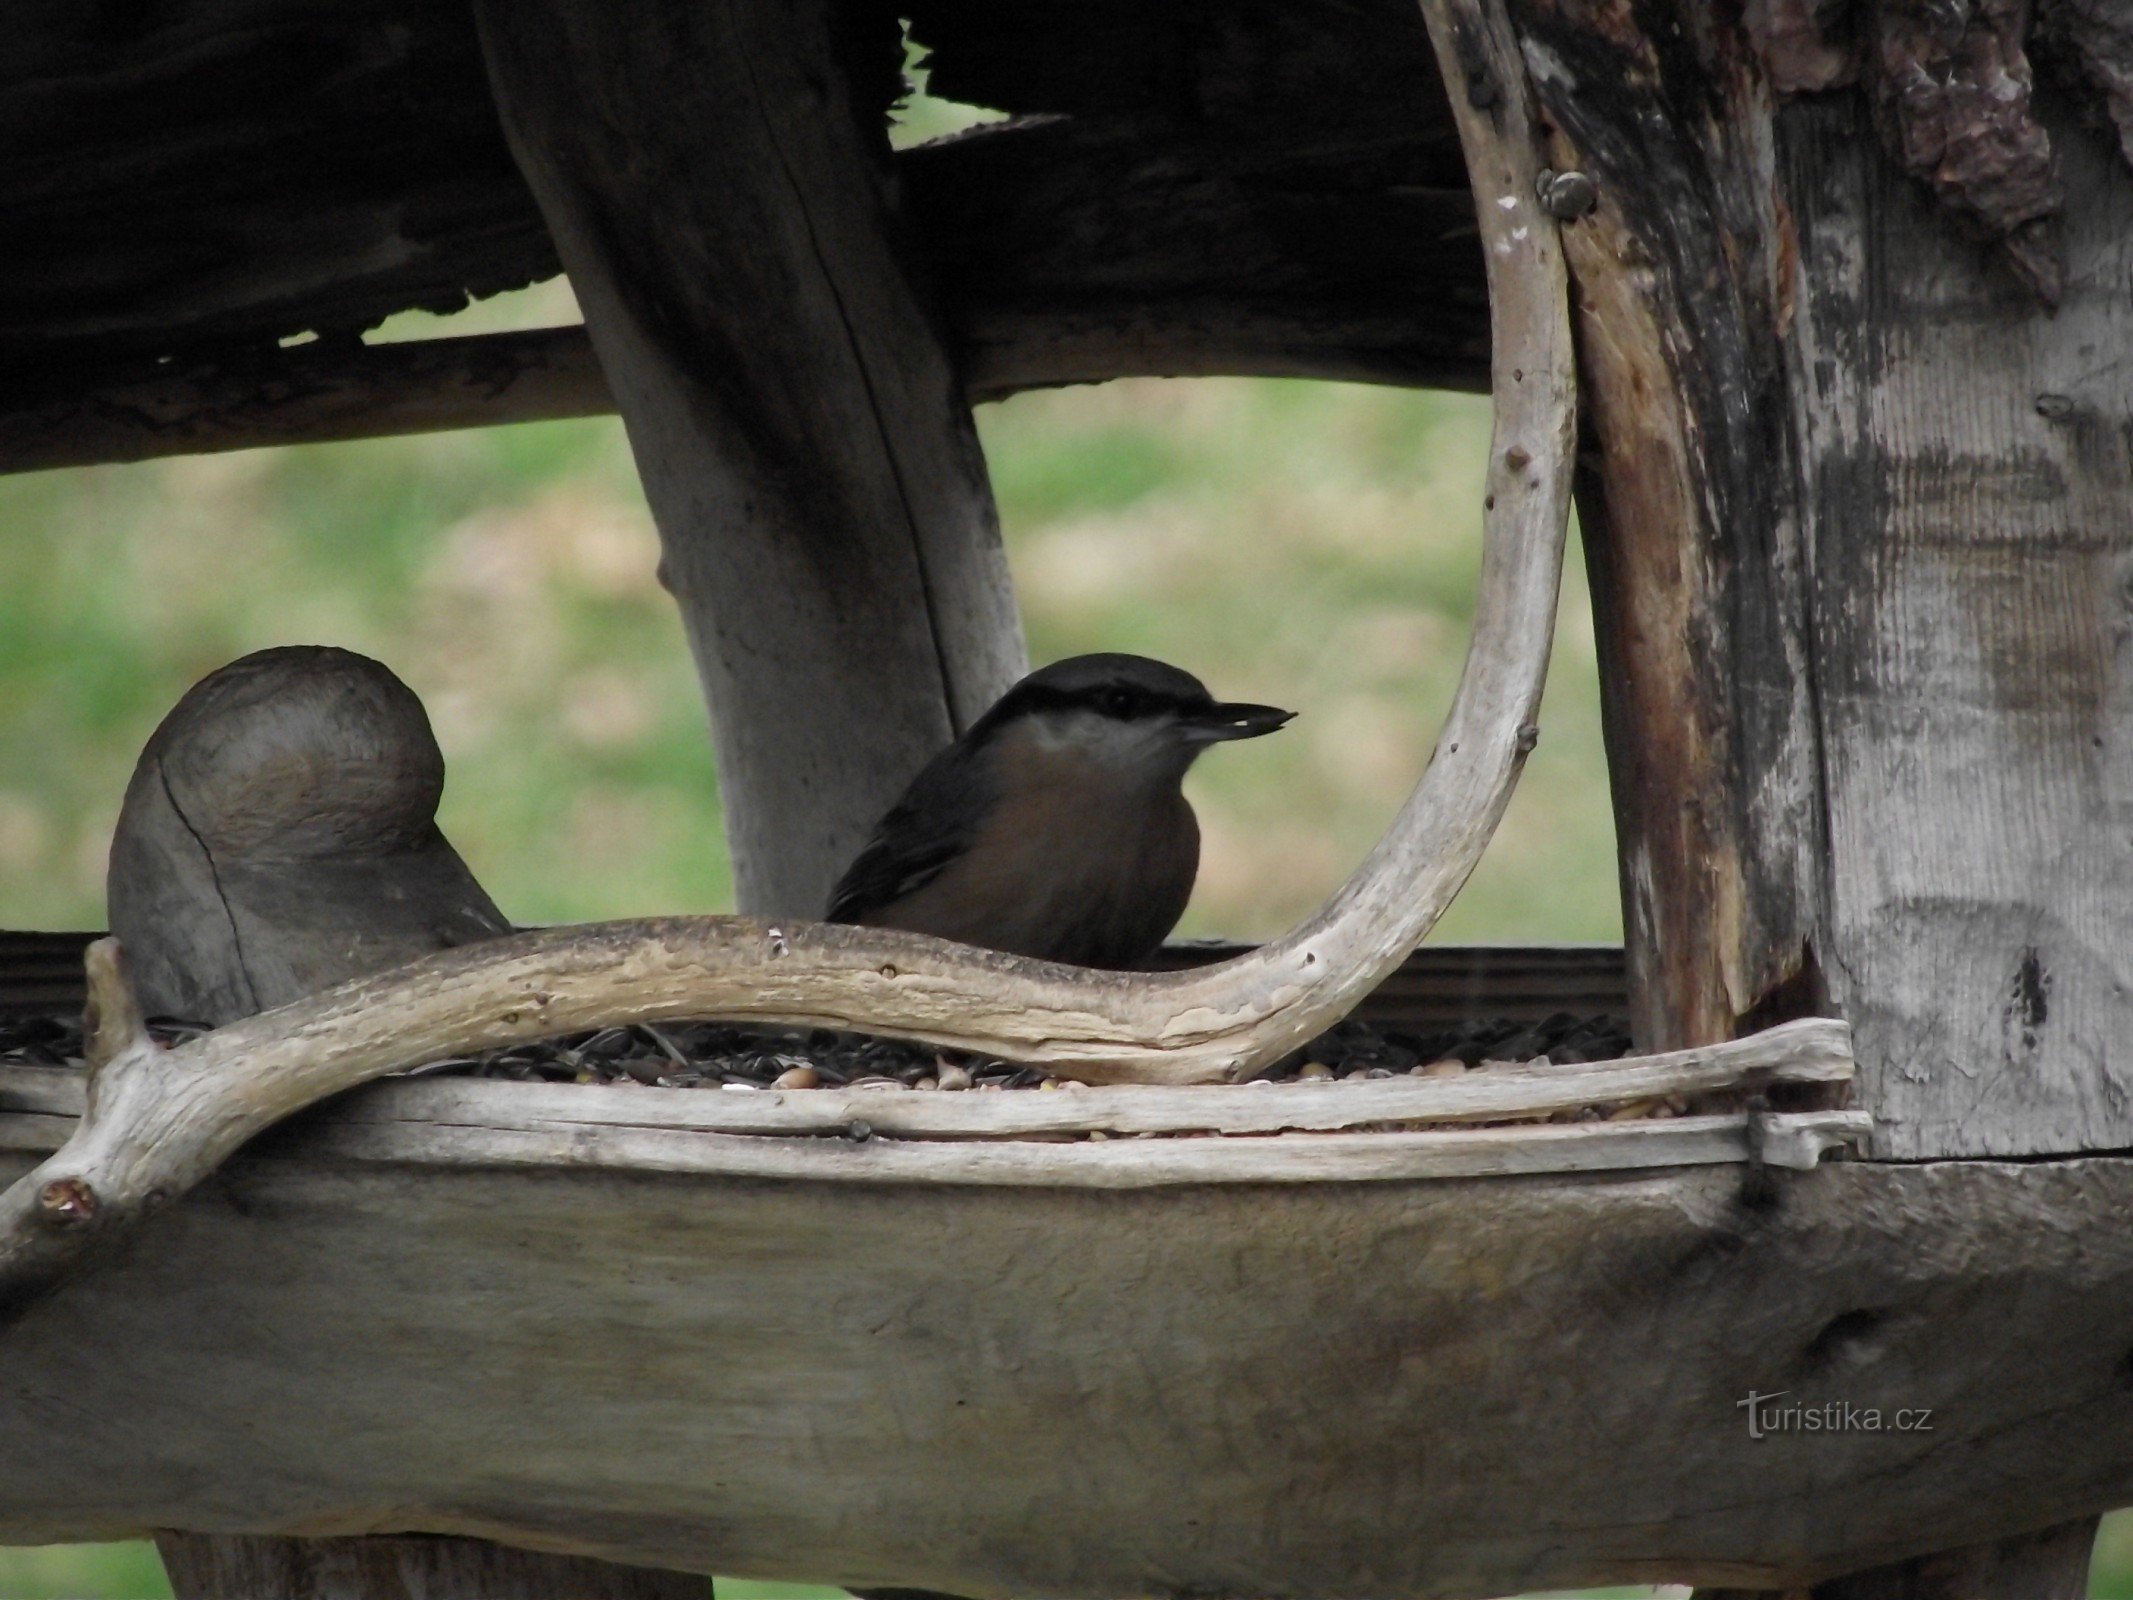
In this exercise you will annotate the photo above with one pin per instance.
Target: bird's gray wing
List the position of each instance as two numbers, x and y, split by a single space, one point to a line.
932 824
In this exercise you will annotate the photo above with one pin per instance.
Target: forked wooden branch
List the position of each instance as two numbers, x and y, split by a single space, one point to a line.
157 1121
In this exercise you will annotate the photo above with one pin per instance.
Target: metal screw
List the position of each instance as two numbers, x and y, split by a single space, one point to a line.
1566 196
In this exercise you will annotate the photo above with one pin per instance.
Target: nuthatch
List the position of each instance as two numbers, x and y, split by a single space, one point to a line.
1056 826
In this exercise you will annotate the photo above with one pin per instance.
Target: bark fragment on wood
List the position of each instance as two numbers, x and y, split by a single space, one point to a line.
1832 442
795 1380
1952 91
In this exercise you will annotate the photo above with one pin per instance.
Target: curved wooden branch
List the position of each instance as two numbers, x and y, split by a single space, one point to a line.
157 1121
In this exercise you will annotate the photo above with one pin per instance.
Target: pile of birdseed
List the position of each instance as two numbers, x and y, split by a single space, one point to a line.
719 1055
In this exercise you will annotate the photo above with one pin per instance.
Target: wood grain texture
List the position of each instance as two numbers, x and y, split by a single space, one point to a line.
312 394
407 1567
1974 579
280 835
1695 562
718 182
200 181
159 1122
1810 1052
2052 1564
1858 520
1034 1139
1435 1389
41 975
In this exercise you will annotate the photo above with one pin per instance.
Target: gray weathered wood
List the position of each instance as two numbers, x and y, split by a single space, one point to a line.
41 974
410 1567
1345 1390
1976 689
312 394
718 184
1181 225
988 1139
159 1122
1859 537
280 834
2049 1565
1811 1051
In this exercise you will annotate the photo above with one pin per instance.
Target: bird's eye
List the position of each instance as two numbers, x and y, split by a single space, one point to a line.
1117 702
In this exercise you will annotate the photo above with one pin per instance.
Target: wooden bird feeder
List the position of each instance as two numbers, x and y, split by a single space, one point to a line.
1860 518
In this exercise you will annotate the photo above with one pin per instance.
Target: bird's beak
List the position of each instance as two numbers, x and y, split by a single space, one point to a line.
1234 721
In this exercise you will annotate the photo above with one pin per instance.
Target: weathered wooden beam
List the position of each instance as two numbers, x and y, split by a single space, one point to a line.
1041 1391
336 391
1814 1051
41 975
409 1567
301 173
159 1124
1857 550
717 179
1056 265
311 394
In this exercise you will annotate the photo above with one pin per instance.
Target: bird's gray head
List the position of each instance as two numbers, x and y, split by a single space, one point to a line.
1124 711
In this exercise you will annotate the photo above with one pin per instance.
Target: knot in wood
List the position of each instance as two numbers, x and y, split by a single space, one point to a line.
1566 196
1529 735
67 1202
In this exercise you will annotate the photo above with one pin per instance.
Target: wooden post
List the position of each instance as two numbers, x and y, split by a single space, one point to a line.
717 181
1862 527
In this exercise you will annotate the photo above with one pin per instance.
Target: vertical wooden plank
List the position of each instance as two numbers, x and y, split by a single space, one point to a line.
1863 519
1862 526
1694 548
717 179
1969 498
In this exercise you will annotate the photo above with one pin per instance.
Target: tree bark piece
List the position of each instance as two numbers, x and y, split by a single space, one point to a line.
717 182
829 1383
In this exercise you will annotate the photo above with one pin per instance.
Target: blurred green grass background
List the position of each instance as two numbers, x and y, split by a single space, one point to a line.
1309 544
